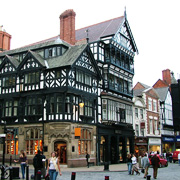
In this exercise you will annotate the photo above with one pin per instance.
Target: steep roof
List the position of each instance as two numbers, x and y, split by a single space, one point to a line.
103 29
140 85
68 58
162 93
13 61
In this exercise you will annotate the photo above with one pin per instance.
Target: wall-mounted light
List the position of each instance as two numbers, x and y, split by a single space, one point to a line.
81 103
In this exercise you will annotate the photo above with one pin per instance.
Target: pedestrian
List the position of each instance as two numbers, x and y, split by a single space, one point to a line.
155 163
23 162
87 159
129 163
179 158
134 165
53 166
145 164
37 163
43 169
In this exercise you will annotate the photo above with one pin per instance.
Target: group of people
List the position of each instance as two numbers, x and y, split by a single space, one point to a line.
39 159
145 163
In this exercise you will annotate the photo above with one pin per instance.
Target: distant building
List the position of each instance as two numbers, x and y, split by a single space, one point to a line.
163 89
71 94
151 100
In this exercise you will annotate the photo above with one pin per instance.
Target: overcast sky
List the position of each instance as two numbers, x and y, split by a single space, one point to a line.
155 25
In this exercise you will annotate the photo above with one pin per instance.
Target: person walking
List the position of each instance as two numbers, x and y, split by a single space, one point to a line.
23 162
155 163
87 159
134 165
37 163
129 163
53 166
145 164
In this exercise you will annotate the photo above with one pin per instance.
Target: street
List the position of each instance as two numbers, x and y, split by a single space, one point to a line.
172 172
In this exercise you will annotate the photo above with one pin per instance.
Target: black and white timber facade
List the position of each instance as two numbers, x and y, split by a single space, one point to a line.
42 86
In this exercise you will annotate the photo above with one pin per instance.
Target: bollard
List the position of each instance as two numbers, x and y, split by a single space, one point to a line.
10 162
73 176
106 177
2 172
39 175
148 177
27 172
11 173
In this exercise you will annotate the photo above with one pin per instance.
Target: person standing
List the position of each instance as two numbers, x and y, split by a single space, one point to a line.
23 162
129 163
155 163
53 166
134 165
37 163
145 164
87 159
179 158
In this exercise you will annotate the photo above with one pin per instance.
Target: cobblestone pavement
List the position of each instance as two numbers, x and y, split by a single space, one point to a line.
116 172
172 172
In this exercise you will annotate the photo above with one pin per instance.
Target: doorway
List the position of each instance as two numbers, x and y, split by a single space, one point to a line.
60 148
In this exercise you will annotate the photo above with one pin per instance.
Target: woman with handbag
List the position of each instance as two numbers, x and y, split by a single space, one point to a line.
53 166
145 164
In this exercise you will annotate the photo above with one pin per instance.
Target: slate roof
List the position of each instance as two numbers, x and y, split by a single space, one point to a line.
138 92
68 58
162 93
38 57
37 45
103 29
13 61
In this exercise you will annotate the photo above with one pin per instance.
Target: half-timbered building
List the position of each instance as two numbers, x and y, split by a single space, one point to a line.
72 94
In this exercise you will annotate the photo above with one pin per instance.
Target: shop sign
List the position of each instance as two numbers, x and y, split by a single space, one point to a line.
77 133
154 141
178 138
142 125
118 131
168 139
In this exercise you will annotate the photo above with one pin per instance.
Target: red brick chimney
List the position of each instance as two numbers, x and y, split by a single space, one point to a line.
166 75
67 26
5 40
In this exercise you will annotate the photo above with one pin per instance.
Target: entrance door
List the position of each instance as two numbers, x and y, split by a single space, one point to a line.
60 148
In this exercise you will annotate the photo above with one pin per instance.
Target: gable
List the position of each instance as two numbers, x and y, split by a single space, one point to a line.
7 66
140 86
139 103
125 38
159 84
152 93
31 61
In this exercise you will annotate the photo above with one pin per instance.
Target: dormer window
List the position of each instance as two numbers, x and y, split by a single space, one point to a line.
54 51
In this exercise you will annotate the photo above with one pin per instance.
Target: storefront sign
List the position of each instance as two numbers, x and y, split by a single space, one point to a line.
178 138
118 132
77 133
168 139
154 141
142 125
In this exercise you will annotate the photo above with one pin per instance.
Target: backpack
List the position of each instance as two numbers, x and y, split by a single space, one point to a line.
37 162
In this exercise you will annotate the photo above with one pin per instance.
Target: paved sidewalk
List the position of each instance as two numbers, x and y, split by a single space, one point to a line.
112 168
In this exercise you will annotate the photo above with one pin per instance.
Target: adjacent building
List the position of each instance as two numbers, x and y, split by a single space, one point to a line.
71 94
152 125
163 89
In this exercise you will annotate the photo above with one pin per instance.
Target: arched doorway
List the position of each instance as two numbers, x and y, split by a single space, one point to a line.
60 148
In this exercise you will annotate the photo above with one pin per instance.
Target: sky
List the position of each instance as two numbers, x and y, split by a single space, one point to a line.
154 24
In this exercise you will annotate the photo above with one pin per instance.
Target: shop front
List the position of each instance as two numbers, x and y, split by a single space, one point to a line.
168 144
154 145
114 143
177 146
141 146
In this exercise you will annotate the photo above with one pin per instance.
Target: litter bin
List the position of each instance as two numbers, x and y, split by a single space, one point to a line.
139 162
106 166
15 173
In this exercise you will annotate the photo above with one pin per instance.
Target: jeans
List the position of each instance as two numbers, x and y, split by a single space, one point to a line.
53 174
23 165
129 167
179 161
